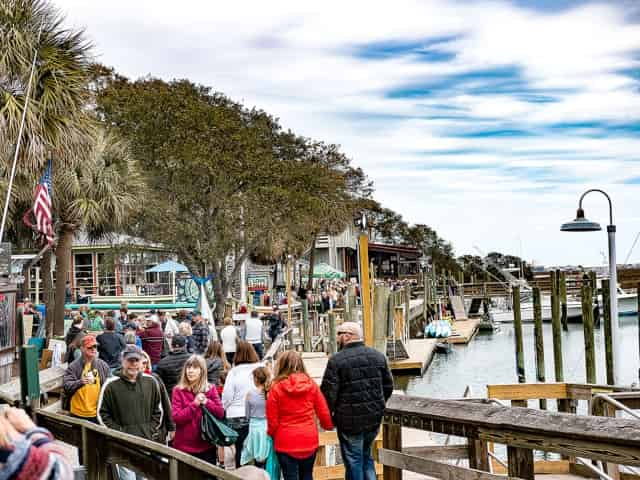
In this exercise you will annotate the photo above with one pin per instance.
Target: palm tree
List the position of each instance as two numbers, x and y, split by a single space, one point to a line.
58 124
98 195
57 121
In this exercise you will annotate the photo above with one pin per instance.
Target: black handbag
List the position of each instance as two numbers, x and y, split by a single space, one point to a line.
215 431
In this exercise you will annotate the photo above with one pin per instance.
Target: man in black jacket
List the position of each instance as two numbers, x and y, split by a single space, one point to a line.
170 367
110 344
357 384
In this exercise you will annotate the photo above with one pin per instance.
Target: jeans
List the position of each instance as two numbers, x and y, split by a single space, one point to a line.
259 348
296 469
356 455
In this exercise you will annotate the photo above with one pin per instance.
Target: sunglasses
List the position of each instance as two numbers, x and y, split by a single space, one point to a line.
92 347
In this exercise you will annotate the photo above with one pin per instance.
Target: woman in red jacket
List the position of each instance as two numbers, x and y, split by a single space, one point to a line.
292 401
192 391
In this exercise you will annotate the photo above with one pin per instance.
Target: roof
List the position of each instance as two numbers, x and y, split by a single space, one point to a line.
402 249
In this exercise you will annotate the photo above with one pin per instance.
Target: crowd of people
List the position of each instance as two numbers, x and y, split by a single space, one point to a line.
155 377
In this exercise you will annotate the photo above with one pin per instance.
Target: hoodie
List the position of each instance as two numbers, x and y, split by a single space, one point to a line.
292 405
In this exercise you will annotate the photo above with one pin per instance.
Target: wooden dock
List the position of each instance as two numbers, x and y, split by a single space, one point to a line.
464 330
421 351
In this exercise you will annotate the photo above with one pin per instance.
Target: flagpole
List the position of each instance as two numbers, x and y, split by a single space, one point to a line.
19 143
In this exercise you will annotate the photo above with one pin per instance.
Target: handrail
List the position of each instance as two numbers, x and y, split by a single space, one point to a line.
101 447
593 468
615 403
523 430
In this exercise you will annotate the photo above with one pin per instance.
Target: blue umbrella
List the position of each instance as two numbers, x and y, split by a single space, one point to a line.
168 266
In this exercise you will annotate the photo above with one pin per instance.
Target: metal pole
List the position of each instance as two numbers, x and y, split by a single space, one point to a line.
615 324
19 142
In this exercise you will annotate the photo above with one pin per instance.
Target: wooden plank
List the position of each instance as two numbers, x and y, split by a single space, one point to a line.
433 468
336 472
331 438
527 391
520 462
443 452
540 467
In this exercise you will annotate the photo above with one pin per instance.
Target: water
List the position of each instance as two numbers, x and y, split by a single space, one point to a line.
490 358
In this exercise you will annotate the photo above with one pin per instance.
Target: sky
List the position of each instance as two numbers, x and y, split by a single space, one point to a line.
484 119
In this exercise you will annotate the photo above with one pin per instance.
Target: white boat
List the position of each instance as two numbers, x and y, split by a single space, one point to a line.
627 302
505 315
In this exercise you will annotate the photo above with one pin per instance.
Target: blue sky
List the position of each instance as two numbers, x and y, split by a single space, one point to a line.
483 119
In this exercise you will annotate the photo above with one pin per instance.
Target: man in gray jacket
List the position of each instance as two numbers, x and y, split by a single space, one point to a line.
83 380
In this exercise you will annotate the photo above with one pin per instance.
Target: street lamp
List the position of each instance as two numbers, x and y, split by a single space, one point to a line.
581 224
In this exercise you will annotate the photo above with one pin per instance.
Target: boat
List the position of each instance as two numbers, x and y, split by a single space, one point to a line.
443 347
505 315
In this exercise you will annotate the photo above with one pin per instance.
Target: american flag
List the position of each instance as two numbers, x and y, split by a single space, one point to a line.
42 207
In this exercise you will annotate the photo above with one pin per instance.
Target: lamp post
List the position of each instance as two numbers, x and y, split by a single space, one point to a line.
581 224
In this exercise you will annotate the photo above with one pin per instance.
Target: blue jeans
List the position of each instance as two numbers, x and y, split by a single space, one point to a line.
356 455
295 469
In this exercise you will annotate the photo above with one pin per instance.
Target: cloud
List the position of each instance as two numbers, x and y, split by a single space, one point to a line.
483 119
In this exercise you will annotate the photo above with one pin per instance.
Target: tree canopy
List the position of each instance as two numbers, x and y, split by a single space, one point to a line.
226 181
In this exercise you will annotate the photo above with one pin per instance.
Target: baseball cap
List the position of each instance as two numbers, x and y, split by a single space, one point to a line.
350 327
196 312
131 351
89 341
178 341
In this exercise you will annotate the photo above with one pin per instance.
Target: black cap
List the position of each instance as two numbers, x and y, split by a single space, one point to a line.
178 341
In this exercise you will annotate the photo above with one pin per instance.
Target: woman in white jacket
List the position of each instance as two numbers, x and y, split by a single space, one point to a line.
238 383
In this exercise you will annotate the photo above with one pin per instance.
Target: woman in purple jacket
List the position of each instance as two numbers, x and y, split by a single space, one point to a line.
192 391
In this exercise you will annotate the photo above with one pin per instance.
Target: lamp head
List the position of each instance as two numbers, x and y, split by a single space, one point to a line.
580 224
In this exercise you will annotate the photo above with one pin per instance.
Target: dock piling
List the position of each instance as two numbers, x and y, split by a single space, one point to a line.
608 336
563 300
587 323
557 330
517 325
539 341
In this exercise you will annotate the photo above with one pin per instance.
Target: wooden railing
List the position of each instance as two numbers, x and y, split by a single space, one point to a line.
100 449
481 422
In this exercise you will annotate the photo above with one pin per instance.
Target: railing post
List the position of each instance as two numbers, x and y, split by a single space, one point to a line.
478 455
520 461
392 440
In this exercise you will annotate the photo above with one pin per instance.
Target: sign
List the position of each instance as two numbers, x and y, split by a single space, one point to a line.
257 281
